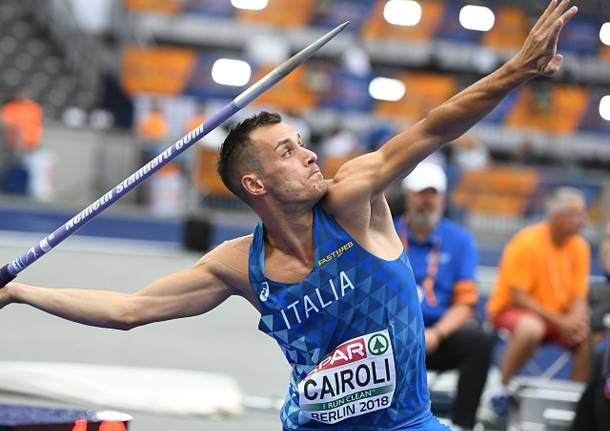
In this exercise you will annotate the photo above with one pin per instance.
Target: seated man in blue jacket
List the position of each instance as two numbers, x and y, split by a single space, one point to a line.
444 258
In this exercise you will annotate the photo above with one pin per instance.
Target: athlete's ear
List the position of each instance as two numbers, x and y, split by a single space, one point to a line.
253 185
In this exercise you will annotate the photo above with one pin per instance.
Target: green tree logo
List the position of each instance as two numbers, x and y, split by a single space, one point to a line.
378 344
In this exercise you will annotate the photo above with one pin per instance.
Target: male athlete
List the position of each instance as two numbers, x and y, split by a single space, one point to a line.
326 268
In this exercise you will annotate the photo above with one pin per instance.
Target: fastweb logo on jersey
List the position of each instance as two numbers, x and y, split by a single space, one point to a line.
356 378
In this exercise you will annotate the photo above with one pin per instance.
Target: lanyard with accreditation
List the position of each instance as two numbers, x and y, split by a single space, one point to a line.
433 263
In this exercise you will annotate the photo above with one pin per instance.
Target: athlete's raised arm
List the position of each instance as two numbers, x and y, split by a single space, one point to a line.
185 293
538 56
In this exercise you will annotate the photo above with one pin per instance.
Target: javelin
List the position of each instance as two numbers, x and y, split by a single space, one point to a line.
10 270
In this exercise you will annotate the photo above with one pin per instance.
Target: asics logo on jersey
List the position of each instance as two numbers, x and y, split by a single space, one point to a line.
264 295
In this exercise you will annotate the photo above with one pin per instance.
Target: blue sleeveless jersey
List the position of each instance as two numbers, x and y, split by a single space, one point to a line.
352 330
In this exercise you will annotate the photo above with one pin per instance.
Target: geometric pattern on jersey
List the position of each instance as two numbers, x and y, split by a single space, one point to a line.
310 318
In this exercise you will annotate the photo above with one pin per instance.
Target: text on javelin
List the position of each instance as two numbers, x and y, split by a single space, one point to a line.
133 178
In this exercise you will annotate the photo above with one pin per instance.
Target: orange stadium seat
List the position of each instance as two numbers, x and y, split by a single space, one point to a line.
169 7
158 70
604 53
205 175
291 93
565 102
510 29
280 13
376 27
500 191
424 91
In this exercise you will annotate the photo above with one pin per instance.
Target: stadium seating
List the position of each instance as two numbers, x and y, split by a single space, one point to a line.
500 191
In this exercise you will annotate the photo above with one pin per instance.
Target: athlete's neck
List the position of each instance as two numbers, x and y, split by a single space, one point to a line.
290 234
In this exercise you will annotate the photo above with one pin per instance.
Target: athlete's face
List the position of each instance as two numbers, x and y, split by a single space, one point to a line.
289 169
425 207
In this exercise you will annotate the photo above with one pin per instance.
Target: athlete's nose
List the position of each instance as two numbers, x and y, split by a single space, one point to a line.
310 157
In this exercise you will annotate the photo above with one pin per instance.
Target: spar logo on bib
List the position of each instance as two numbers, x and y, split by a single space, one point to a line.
356 378
378 344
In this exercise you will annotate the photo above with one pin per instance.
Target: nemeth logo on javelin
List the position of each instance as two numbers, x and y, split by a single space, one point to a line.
148 169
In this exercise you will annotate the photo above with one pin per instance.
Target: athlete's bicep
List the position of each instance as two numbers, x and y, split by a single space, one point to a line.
231 262
185 293
401 154
219 274
370 175
354 181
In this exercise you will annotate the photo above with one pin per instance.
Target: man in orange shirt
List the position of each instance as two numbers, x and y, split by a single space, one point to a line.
22 120
153 126
542 286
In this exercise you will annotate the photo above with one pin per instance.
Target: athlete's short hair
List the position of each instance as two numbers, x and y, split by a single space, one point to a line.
238 155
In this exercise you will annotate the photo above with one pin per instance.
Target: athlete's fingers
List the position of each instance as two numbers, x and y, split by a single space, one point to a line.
543 18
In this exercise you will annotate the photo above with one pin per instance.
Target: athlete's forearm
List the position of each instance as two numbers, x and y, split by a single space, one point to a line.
457 115
90 307
181 294
445 123
537 56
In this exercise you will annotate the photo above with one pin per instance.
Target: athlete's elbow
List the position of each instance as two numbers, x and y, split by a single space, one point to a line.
122 322
125 324
128 316
115 320
445 124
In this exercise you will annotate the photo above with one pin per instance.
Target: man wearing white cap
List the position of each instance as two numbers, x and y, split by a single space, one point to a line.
444 258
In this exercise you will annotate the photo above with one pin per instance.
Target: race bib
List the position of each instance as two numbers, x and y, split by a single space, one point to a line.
356 378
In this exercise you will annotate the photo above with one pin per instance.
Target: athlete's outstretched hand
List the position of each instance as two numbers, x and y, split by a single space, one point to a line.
539 52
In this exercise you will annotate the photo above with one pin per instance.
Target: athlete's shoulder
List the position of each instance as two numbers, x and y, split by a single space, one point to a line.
241 244
229 260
